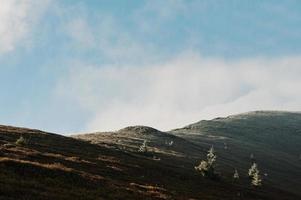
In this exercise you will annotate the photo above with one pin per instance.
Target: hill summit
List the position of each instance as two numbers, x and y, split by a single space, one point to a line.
139 129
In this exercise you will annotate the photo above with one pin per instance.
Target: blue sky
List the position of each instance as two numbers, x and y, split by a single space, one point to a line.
72 66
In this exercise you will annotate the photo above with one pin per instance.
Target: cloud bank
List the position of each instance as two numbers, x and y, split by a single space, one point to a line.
16 20
182 90
99 68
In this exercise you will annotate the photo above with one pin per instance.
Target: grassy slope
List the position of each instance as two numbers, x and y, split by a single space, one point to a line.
51 166
55 167
274 138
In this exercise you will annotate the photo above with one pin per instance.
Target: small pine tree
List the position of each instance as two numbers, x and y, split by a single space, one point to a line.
21 141
253 169
169 143
254 175
211 156
203 167
206 167
236 175
256 180
143 147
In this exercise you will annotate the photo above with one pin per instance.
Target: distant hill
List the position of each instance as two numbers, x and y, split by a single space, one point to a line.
108 165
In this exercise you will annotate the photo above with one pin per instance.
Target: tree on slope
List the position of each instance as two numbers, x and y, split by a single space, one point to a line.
256 180
206 167
254 175
143 147
235 175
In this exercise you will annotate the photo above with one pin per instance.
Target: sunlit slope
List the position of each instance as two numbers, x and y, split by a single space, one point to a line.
131 138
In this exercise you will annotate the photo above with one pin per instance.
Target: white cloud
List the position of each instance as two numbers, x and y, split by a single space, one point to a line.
169 94
181 91
16 20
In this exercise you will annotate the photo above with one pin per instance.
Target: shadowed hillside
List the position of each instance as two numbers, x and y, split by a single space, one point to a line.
110 165
271 138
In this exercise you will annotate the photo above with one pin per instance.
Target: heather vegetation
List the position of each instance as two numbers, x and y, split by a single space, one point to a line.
144 163
270 138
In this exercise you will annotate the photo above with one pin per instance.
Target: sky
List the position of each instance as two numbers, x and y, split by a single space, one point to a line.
71 66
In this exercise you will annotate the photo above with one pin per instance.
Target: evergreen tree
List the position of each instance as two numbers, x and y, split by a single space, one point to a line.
143 147
253 169
256 180
206 167
236 175
211 156
21 141
254 175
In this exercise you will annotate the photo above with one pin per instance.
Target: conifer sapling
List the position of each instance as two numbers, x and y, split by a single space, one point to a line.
143 147
254 175
236 175
206 167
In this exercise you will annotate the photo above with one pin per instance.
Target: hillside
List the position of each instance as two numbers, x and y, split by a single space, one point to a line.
272 138
109 165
